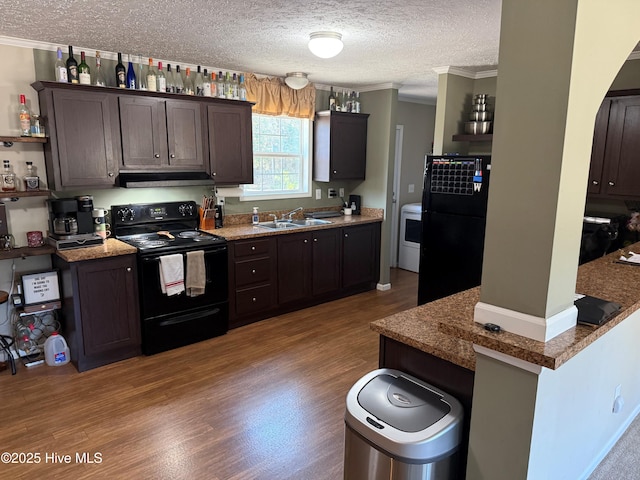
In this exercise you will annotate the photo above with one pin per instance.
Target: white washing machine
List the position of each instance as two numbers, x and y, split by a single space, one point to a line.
410 232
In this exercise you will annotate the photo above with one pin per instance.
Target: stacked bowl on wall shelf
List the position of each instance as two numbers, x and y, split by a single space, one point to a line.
480 116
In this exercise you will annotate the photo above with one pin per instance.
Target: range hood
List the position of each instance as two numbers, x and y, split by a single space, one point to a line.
163 179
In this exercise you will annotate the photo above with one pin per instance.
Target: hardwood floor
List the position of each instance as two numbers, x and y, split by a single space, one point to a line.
265 401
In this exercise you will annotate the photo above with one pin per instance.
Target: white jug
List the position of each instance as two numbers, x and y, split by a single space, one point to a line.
56 350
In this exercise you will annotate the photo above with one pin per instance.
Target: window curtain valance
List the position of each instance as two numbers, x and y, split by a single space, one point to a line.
274 97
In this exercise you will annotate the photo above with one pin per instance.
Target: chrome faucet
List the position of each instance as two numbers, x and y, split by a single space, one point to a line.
290 214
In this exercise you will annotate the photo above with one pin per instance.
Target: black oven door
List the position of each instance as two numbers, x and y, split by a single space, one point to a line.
177 320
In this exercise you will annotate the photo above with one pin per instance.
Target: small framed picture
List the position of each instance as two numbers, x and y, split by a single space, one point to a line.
40 287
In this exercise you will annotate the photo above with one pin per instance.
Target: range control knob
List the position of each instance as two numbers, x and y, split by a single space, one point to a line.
126 214
186 209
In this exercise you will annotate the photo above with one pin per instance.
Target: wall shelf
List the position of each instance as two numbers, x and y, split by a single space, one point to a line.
9 141
14 196
486 137
23 252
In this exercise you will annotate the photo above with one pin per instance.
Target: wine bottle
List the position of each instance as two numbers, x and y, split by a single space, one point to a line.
72 67
121 73
178 81
206 84
332 100
161 79
131 75
188 83
60 69
152 85
198 84
242 89
220 87
98 78
171 88
25 118
84 74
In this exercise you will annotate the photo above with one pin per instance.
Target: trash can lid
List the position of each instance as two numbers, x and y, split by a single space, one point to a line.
401 403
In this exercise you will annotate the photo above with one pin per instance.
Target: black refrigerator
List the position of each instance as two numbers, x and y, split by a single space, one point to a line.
454 208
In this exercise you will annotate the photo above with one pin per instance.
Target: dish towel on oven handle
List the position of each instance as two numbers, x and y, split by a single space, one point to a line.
196 274
172 274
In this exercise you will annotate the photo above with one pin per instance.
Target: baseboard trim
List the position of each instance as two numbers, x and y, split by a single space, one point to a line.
530 326
383 287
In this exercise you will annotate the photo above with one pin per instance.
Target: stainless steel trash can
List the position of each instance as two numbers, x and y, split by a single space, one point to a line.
399 427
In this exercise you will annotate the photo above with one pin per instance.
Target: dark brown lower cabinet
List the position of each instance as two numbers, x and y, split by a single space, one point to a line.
101 319
306 268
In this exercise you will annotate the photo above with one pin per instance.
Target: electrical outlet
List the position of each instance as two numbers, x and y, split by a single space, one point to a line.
341 193
412 188
318 194
331 193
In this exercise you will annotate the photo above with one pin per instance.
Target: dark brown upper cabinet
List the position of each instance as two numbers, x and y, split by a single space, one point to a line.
340 146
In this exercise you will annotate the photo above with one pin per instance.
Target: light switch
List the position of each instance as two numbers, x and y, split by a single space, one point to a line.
318 194
412 188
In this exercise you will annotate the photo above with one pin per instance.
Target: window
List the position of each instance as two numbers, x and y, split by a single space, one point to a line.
281 158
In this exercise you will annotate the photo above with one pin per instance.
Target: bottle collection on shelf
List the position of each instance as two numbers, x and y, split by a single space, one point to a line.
8 182
155 79
345 102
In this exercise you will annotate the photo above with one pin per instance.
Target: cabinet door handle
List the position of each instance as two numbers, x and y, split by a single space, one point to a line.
335 171
157 155
253 271
253 248
306 241
111 174
596 182
346 235
254 299
172 155
128 269
315 239
611 184
213 174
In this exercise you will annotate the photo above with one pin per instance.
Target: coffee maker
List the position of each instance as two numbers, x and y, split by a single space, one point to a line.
71 223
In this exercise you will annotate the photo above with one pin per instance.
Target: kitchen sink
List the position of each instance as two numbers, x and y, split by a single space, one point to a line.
289 224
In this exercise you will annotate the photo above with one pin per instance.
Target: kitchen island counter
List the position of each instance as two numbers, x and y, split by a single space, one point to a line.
446 329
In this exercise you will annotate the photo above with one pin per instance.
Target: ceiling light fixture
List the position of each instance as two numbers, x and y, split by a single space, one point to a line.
325 44
296 80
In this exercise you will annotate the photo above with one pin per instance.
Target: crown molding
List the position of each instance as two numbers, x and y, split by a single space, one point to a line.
461 72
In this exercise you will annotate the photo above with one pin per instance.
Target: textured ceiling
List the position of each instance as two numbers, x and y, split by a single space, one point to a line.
391 41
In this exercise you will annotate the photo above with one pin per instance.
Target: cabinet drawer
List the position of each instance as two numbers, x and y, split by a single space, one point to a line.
252 247
253 271
252 300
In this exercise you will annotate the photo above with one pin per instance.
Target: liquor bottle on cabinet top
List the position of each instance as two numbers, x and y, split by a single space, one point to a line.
220 86
235 88
60 68
8 178
31 179
188 83
178 80
228 86
161 79
142 75
242 89
332 100
98 78
152 77
72 67
171 88
198 84
25 118
121 73
206 84
214 85
131 75
84 74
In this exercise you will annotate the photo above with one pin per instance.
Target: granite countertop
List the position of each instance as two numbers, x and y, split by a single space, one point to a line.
445 327
110 248
239 231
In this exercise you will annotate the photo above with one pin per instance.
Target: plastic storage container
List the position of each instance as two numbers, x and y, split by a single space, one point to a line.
56 350
399 427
